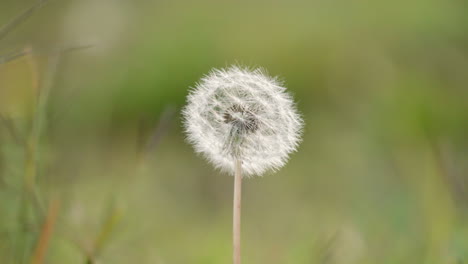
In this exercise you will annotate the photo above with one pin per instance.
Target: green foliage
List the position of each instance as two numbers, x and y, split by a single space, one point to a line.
381 176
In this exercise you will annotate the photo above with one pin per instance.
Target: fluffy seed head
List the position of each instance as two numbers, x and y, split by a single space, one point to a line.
237 113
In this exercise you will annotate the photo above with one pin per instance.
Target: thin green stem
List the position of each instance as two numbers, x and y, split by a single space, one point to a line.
8 27
237 213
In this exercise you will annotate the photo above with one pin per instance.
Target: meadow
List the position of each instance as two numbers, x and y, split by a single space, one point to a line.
95 167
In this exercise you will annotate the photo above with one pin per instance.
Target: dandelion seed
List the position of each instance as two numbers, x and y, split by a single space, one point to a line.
243 122
235 113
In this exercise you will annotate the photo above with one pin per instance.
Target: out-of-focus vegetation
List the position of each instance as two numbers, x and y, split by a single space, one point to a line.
94 168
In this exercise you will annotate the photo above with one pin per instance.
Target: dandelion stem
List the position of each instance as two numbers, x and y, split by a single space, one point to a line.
237 213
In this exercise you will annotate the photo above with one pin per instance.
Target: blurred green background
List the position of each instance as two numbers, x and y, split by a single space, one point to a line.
94 167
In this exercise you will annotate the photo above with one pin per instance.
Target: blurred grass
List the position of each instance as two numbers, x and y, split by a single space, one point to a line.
380 177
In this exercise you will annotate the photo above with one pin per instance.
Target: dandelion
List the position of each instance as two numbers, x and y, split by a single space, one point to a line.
245 123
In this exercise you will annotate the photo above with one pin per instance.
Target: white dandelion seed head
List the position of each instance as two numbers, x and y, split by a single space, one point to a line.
237 113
